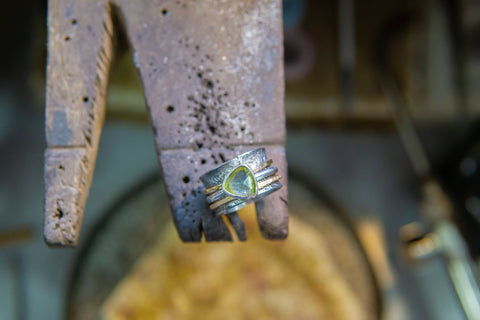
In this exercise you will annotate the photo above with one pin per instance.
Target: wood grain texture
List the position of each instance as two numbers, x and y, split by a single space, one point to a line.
79 54
212 73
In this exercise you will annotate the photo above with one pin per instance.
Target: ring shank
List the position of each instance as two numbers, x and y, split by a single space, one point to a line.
265 175
253 159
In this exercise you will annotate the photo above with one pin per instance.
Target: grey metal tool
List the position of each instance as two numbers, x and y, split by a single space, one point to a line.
437 210
212 73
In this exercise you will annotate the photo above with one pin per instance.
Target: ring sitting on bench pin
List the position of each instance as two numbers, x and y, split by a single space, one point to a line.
245 179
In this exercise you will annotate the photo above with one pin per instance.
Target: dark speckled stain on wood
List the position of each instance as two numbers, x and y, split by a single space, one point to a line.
213 80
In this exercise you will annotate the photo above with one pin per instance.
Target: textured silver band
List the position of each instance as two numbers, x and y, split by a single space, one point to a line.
265 176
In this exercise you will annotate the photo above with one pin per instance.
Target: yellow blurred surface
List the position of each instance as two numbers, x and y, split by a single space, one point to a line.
257 279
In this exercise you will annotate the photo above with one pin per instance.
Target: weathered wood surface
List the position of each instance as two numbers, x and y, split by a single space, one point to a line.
79 55
212 73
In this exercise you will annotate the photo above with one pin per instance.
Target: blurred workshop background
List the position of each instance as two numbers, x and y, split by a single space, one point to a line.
383 146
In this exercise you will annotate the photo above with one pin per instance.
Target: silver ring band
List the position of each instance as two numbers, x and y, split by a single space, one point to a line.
260 175
240 181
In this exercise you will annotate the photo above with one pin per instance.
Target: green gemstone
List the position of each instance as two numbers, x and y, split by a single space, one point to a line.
240 182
